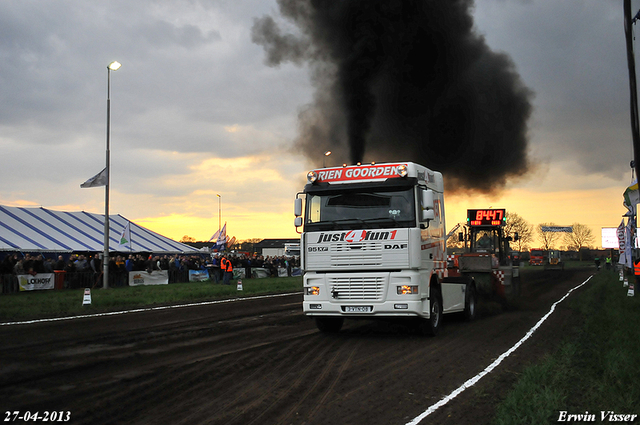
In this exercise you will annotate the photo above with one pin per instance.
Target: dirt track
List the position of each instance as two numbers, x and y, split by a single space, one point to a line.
263 362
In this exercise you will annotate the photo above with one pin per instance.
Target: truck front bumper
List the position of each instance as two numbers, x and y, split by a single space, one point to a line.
364 309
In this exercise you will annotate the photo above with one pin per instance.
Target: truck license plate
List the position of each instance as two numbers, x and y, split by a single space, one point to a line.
358 309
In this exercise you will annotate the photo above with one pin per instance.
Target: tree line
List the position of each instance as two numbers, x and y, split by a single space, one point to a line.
580 237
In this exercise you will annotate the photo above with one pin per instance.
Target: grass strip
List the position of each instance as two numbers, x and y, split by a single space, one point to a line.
57 303
594 370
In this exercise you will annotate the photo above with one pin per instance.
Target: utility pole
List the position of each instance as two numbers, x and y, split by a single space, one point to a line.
635 127
631 63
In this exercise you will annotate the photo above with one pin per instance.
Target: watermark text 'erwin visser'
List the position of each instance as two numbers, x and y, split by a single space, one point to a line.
605 416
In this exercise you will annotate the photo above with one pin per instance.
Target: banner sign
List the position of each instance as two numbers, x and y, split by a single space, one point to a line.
630 240
612 237
198 275
260 272
563 229
158 277
40 281
621 237
355 173
296 271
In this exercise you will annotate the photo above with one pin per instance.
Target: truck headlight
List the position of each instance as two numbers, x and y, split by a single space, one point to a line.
407 289
311 290
402 170
312 176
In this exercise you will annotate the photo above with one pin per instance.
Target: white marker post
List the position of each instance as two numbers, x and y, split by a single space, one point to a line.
86 300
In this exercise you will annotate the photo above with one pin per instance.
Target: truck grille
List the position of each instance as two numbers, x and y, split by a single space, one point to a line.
356 254
363 288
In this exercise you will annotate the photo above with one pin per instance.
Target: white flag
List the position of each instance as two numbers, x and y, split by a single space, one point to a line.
622 245
98 180
215 236
222 239
631 198
125 237
630 240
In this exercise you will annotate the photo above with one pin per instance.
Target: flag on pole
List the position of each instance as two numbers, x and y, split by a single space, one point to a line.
98 180
125 237
622 245
630 242
222 239
215 236
632 197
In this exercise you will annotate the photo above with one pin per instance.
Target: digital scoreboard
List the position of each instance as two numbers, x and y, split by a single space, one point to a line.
491 217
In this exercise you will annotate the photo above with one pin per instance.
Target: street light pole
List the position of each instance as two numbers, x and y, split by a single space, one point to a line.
113 66
219 214
631 63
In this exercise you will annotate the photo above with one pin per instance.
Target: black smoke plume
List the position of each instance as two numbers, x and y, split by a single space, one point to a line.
404 80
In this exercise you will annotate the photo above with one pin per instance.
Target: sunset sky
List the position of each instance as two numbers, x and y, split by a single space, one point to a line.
196 112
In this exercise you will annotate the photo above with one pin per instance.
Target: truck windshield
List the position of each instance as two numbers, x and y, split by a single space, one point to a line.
484 240
361 209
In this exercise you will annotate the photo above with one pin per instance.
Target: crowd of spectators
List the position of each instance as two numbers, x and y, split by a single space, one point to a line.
249 262
86 269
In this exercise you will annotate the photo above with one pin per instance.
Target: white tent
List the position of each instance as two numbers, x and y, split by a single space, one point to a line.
40 229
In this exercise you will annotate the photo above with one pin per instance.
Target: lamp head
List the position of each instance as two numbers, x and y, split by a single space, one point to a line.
114 66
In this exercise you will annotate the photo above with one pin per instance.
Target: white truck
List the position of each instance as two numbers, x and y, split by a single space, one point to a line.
373 246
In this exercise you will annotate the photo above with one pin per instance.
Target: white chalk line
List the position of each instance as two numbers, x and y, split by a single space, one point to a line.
138 310
471 382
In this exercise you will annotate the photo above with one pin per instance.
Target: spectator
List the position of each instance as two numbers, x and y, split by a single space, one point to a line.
48 265
18 268
139 263
71 266
81 264
246 263
59 265
6 267
38 264
28 264
227 267
128 265
152 264
121 271
95 264
164 263
215 267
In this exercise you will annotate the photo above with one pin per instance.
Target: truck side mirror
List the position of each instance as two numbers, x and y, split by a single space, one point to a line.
428 215
297 221
297 207
428 212
460 237
516 237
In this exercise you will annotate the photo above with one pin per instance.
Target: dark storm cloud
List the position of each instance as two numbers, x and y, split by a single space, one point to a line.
280 47
405 80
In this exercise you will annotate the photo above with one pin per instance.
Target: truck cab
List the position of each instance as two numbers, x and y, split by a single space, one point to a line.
536 257
373 245
487 259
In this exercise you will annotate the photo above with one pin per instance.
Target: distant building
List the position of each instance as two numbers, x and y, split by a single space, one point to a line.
266 247
275 247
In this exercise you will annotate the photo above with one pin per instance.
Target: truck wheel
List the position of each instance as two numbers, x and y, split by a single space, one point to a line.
329 324
432 325
470 302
